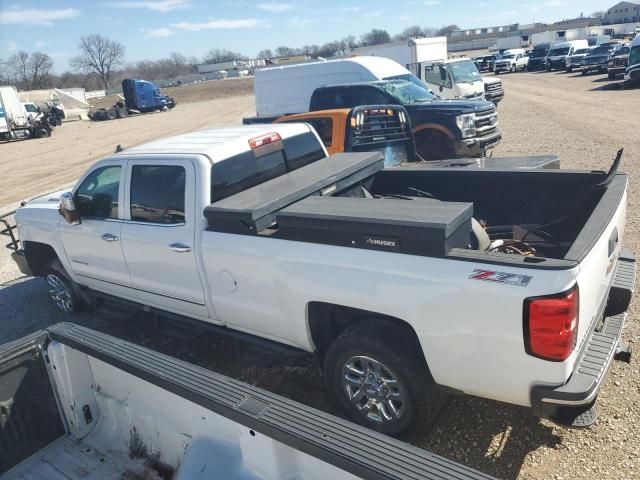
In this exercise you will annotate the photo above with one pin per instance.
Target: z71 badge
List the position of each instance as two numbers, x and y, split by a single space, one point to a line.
501 277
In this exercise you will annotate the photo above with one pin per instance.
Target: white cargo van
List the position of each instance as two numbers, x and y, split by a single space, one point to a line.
558 53
300 81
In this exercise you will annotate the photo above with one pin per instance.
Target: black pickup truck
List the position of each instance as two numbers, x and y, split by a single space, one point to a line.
442 128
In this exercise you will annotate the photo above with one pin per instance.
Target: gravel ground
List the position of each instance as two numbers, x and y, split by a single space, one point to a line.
584 121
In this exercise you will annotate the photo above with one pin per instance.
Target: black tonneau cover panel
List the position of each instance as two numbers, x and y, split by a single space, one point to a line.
353 448
416 227
254 209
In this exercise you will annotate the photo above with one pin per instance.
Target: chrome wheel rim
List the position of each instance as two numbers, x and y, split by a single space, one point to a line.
373 389
59 293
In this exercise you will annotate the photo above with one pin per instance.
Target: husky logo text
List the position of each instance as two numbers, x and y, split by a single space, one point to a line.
501 277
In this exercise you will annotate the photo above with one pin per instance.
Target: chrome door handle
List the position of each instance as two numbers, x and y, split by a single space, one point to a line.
180 247
109 237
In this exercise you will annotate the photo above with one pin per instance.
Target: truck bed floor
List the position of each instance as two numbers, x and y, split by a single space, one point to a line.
70 459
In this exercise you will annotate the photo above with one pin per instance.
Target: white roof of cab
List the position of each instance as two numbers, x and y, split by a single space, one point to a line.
216 143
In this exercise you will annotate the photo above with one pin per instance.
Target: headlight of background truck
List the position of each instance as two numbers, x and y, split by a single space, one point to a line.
466 124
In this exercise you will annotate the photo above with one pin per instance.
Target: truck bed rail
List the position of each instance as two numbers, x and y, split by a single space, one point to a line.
355 449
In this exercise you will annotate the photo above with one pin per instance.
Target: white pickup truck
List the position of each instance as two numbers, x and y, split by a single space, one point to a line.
76 404
505 284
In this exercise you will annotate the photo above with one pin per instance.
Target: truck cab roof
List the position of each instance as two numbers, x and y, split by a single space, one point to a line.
218 143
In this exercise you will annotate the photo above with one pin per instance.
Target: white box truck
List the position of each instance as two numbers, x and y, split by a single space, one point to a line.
407 52
13 116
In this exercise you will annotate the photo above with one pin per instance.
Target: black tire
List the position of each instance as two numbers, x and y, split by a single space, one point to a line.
122 112
396 351
584 73
111 114
513 68
62 290
612 76
569 69
434 145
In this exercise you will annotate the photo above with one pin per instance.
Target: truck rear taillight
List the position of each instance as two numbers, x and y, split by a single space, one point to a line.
262 140
551 325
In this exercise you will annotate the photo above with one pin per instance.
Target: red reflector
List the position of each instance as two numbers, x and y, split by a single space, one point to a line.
551 325
264 140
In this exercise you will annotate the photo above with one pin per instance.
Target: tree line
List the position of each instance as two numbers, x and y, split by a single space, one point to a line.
100 63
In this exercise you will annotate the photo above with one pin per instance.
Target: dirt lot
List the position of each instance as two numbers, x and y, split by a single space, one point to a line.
37 166
579 119
195 92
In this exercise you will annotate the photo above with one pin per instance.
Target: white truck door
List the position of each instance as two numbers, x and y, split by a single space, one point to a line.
159 233
439 81
93 247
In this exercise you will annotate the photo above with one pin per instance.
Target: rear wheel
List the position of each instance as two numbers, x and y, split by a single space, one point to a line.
376 371
612 76
111 114
569 69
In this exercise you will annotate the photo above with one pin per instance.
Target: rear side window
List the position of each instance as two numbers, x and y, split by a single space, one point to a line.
243 171
158 194
304 149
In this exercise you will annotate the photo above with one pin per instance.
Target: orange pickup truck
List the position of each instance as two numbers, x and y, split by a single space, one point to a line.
385 128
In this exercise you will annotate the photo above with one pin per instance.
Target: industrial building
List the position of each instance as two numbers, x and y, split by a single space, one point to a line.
623 12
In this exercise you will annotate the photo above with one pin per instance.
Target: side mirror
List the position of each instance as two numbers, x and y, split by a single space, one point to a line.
68 209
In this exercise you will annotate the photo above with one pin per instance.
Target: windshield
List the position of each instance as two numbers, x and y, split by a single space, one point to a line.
411 78
464 72
623 51
581 51
539 52
407 92
634 56
508 55
559 51
600 51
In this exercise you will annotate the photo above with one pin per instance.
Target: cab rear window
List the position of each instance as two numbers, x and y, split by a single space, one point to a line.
245 170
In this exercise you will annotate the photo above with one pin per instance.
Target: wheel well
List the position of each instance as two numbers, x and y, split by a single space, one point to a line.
39 255
327 321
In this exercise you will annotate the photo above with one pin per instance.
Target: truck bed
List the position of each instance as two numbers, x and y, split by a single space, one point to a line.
132 413
70 459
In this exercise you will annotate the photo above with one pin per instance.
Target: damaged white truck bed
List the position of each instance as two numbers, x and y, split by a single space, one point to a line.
79 404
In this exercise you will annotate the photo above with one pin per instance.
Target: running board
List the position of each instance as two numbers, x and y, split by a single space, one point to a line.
355 449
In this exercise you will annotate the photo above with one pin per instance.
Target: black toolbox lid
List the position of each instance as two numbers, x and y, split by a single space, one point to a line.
423 213
254 209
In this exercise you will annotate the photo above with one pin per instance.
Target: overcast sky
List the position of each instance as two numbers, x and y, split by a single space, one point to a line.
154 28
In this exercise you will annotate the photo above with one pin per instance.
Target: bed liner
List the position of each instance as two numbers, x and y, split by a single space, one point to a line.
355 449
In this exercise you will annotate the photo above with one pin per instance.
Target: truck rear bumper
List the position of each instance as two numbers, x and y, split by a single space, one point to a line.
565 403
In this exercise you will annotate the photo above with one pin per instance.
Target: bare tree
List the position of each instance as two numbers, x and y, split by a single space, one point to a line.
39 70
415 31
446 31
217 55
599 14
99 56
265 54
285 51
375 37
17 67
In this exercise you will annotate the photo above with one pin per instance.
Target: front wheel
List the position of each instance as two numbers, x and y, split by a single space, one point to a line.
61 289
513 69
569 69
376 372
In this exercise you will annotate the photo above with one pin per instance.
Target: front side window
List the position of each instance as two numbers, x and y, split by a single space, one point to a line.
158 194
97 196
